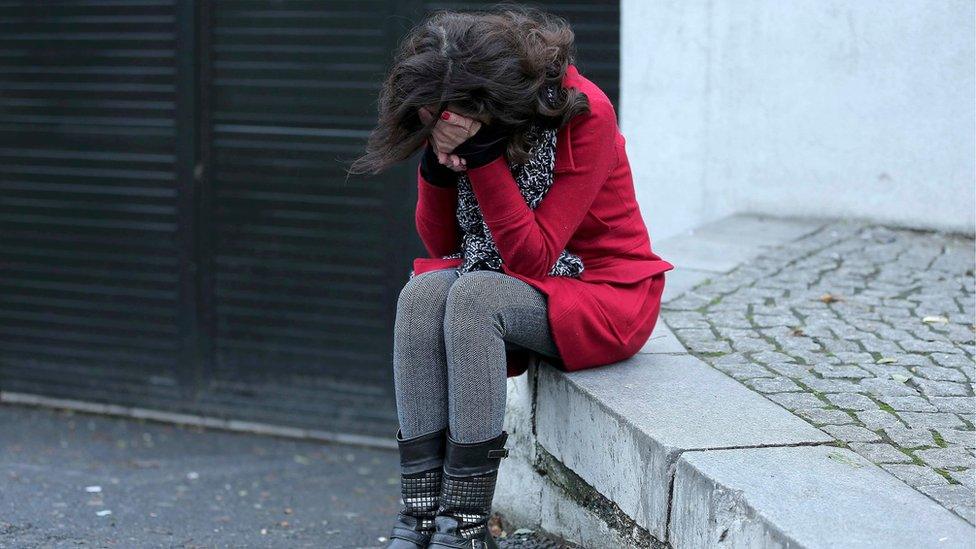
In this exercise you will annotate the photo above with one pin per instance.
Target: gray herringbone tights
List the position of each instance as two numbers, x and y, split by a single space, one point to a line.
449 346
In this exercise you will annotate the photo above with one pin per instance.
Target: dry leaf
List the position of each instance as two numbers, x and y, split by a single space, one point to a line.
887 360
935 320
830 298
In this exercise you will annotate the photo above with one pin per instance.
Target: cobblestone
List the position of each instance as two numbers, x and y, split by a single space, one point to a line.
822 416
852 433
908 403
917 475
880 453
866 332
852 401
795 401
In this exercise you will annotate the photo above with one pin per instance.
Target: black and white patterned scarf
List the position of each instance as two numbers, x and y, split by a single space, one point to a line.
534 178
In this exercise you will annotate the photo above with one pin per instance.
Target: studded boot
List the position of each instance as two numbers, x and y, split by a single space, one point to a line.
421 461
468 486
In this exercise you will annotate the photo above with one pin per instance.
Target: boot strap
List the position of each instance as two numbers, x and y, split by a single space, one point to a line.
412 536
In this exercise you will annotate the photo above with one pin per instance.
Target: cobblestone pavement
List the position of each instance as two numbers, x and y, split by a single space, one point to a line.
864 331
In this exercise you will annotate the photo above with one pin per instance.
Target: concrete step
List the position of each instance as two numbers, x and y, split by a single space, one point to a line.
622 428
803 497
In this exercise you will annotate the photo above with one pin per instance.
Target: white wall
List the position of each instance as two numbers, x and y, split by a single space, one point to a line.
816 108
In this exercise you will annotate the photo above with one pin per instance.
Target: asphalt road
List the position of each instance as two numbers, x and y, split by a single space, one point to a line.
78 480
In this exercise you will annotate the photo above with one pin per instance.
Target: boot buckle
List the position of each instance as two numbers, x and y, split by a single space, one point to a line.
498 454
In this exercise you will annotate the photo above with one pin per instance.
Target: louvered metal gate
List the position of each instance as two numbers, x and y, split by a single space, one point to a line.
176 231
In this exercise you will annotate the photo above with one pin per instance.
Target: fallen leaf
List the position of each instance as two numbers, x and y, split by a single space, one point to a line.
797 332
935 320
495 527
104 513
830 298
900 378
887 360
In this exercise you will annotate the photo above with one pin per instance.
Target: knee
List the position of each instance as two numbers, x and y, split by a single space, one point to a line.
471 298
424 290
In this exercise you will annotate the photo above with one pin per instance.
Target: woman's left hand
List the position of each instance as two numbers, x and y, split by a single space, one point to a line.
449 132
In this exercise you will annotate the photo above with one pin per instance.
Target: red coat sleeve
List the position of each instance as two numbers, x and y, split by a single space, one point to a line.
530 241
435 217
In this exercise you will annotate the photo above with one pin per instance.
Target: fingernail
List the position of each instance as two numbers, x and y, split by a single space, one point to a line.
446 115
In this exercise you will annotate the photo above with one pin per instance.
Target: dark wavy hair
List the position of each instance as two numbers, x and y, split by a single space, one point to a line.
493 65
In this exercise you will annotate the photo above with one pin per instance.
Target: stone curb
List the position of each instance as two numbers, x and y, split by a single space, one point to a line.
818 496
662 450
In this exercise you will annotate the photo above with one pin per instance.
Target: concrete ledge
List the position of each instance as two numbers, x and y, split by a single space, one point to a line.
723 245
661 450
622 428
802 497
534 489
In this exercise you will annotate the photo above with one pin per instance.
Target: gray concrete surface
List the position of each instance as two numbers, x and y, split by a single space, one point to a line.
802 497
621 428
531 493
723 245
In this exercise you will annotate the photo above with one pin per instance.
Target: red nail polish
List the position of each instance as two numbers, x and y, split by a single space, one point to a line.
446 115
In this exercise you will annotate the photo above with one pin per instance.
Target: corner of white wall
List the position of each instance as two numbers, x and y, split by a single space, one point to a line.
812 109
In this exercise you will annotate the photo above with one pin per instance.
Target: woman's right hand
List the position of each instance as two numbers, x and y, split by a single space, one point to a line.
449 132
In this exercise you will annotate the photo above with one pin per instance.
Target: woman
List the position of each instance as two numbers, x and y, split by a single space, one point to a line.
536 246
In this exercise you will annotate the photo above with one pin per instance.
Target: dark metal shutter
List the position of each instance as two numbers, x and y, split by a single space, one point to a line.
307 263
89 263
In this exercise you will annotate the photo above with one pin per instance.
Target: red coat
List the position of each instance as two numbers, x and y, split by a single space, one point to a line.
606 314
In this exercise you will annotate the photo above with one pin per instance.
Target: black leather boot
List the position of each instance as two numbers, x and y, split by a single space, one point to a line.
468 486
421 460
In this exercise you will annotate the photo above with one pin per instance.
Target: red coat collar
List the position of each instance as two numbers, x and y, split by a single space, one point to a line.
564 139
